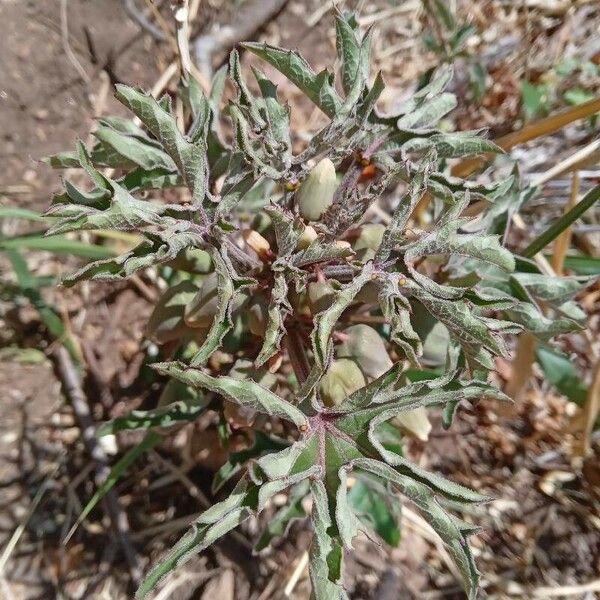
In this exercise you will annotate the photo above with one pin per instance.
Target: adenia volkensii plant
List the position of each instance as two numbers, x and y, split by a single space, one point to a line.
324 320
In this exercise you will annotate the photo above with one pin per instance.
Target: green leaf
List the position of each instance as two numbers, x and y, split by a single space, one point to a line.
318 87
583 265
262 444
15 212
50 318
383 517
150 440
163 416
540 242
57 244
428 114
137 151
326 320
452 145
279 524
245 393
189 157
559 371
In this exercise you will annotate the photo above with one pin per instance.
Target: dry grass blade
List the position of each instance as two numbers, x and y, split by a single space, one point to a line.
530 132
563 241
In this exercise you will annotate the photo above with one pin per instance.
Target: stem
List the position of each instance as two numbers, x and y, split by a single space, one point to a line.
297 354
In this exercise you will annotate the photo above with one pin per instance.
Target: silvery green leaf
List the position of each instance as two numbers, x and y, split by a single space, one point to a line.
348 48
326 552
318 87
62 160
135 150
287 230
396 228
277 116
319 252
451 530
533 320
157 248
167 323
279 524
253 149
189 157
325 321
279 308
236 460
229 286
397 313
444 240
245 393
210 526
428 114
124 213
141 179
188 409
435 87
451 145
366 106
551 288
238 182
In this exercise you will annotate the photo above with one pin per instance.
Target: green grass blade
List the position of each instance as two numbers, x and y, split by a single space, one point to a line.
150 440
14 212
28 287
57 244
561 224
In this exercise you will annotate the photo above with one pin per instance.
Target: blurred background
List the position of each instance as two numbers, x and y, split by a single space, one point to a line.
517 64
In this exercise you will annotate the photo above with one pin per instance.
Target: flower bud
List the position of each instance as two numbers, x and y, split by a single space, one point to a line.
307 237
365 346
316 192
257 315
341 379
368 241
257 242
166 323
414 422
320 296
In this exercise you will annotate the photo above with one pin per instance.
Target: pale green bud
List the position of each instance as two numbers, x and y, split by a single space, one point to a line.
320 296
369 240
316 192
341 379
364 345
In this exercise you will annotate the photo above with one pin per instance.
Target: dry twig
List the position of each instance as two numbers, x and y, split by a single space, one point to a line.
74 393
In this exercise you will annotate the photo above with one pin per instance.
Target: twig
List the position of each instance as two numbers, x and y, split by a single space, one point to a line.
141 18
64 30
181 11
588 155
74 393
320 12
300 567
247 21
